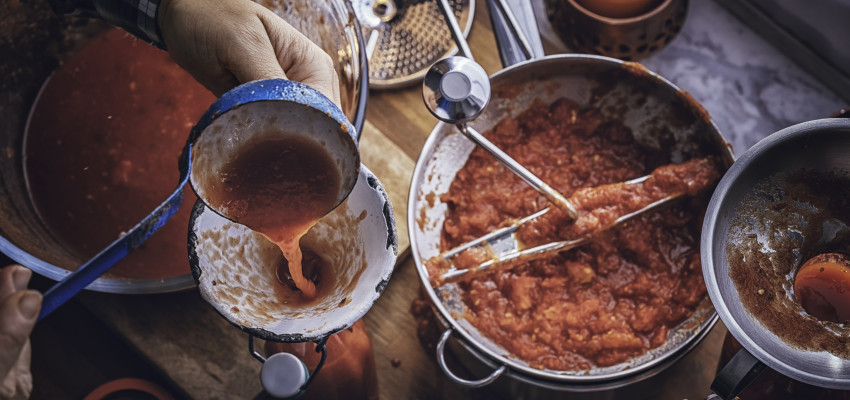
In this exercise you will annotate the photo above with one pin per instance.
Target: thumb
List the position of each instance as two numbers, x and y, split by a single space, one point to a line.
18 314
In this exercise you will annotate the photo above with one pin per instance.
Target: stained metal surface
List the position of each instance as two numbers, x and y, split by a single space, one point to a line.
404 37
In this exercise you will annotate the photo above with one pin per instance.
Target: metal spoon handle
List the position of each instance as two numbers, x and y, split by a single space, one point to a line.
551 194
76 281
513 25
515 256
457 34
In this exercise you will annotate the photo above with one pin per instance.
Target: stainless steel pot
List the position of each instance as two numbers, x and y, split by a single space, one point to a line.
662 118
820 145
30 56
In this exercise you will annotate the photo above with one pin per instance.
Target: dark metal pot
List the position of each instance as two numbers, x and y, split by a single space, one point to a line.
821 145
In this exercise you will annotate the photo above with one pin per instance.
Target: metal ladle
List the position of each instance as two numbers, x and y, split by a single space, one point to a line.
457 89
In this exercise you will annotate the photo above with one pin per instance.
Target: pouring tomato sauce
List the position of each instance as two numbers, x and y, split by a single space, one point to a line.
280 188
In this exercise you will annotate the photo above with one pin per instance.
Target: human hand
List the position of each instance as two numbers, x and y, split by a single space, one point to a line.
224 43
18 311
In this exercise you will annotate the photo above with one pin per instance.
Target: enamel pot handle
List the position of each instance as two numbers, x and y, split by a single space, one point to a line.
441 359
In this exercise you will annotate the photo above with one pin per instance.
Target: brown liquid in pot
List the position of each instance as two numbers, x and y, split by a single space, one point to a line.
780 222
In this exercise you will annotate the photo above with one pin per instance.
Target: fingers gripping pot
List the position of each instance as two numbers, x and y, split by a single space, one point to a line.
236 268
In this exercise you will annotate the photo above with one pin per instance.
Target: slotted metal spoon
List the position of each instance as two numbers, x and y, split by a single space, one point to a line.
506 251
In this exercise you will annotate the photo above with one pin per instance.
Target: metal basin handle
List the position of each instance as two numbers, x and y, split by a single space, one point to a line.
441 359
739 372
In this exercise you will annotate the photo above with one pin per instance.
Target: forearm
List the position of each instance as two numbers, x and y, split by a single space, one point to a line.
135 16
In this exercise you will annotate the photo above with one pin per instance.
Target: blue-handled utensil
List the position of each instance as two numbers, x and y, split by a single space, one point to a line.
306 103
72 284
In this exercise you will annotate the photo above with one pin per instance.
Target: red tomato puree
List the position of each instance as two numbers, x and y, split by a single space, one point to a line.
280 188
102 147
603 303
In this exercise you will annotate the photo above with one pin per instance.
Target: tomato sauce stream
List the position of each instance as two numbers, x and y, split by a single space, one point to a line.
280 188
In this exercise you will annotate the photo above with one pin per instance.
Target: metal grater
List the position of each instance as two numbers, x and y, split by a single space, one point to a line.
405 37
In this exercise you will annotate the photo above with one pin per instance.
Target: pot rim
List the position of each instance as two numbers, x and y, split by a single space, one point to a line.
586 387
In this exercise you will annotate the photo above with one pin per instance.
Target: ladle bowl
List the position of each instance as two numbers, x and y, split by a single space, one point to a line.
269 110
236 268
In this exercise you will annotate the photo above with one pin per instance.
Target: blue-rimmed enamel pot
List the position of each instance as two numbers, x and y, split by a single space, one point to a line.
235 268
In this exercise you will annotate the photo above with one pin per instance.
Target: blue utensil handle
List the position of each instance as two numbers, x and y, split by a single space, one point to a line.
72 284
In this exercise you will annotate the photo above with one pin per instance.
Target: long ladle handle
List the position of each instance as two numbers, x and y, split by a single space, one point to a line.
451 92
552 195
76 281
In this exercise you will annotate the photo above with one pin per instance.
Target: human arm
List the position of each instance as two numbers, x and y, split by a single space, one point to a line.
222 43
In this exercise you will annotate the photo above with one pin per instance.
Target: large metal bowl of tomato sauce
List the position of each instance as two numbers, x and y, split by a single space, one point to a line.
662 119
93 122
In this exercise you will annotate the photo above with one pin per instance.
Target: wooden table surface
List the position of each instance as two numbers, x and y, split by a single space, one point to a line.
208 358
